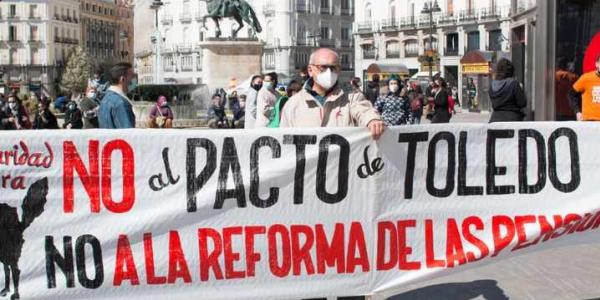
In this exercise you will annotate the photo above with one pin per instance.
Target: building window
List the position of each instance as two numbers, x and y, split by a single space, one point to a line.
345 61
34 36
495 42
473 41
325 32
411 48
12 11
33 11
433 45
368 13
346 34
368 52
301 35
392 49
12 33
12 57
34 57
452 44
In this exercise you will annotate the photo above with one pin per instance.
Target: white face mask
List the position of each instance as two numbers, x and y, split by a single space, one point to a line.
12 105
91 95
327 79
394 88
268 85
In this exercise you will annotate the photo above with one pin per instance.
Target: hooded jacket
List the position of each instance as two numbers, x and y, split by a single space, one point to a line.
508 99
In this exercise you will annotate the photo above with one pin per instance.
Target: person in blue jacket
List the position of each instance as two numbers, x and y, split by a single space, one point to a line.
115 110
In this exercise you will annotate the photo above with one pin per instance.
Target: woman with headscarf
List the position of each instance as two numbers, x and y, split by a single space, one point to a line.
161 115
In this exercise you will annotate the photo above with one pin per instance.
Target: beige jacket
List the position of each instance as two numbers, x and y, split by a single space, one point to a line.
265 104
339 110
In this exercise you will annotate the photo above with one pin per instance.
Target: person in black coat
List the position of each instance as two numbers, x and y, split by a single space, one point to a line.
44 119
73 117
440 92
506 94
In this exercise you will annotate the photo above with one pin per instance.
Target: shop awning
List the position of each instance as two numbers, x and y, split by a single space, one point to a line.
399 69
476 62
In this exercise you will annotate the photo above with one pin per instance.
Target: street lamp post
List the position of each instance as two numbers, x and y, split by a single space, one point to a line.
156 5
429 9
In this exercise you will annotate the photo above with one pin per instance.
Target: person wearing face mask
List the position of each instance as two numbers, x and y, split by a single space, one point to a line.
116 111
256 84
89 107
73 117
161 115
323 103
265 101
395 106
585 95
14 116
239 112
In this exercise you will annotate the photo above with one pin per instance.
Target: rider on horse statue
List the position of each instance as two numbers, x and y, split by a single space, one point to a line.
239 10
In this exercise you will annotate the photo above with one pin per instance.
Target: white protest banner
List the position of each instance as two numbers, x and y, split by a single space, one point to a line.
284 214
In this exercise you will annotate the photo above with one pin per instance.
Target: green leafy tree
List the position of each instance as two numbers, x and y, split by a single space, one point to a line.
77 71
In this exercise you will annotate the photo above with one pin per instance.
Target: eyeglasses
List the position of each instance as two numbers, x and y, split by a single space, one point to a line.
323 68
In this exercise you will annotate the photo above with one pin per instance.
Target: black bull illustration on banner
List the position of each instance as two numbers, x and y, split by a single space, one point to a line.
11 232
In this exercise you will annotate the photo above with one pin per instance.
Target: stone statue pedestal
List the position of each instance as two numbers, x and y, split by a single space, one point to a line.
224 59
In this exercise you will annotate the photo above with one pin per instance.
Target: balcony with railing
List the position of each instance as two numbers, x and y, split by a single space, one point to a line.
365 27
184 47
389 25
346 12
406 22
302 42
411 53
167 20
34 17
326 10
185 17
187 67
12 17
302 8
524 5
346 43
451 52
327 42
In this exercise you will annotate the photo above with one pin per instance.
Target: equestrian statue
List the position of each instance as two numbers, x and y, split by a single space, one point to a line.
239 10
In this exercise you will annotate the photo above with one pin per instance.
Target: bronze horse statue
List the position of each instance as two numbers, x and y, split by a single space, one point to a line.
239 10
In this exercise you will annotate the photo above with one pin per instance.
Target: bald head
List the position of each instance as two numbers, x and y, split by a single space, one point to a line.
324 56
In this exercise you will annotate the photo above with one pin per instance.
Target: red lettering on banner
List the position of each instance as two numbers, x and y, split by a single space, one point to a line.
385 230
547 230
430 259
90 177
209 260
403 249
151 277
301 253
178 267
567 224
125 265
230 256
127 171
330 254
586 223
454 247
502 241
520 222
252 257
283 269
72 163
469 237
357 249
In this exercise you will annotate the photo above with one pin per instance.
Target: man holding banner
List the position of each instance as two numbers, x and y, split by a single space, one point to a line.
322 103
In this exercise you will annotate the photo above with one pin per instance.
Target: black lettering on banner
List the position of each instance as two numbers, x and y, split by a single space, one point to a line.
80 260
300 141
492 169
342 176
463 188
431 167
524 187
230 161
64 263
369 168
254 176
156 182
196 182
574 151
412 139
